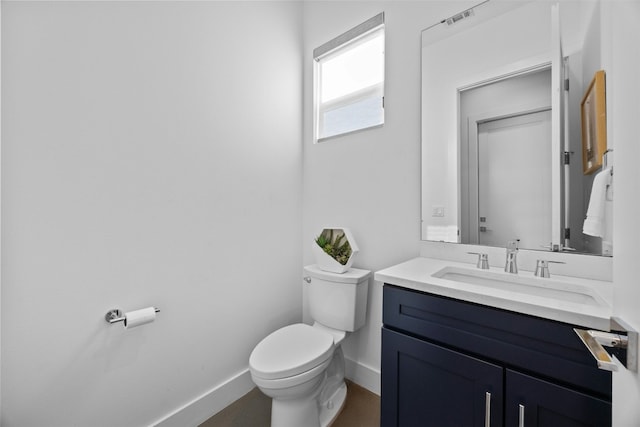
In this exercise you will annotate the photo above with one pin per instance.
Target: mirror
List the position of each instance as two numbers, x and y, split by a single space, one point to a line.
502 140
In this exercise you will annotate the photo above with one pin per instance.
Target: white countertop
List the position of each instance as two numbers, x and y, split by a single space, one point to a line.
417 274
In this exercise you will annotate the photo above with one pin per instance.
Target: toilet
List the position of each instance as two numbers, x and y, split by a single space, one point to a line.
301 367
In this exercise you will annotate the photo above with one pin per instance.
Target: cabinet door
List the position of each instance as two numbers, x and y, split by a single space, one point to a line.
531 402
426 385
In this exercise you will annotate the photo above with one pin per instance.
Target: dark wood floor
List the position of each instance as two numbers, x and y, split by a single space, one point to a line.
361 409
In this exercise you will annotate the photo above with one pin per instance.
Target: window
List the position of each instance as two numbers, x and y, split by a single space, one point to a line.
349 81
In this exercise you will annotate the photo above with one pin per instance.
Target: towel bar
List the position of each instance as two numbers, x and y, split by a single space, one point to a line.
623 340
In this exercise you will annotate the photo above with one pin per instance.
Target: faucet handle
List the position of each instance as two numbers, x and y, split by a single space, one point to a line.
542 267
483 260
553 247
513 244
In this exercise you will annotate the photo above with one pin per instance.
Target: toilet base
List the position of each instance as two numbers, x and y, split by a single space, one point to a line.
333 406
314 403
308 412
290 413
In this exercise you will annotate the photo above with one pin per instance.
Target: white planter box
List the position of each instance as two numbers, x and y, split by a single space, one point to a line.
325 261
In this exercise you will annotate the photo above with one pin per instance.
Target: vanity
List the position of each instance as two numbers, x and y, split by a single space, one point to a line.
460 348
503 167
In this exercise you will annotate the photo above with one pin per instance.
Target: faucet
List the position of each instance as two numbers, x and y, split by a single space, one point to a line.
511 266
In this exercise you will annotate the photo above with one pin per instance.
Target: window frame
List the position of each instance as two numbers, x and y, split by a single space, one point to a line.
343 43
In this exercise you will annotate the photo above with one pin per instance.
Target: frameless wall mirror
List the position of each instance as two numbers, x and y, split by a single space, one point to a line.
502 87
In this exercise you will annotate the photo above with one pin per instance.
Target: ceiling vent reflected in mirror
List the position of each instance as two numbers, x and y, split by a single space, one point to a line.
459 17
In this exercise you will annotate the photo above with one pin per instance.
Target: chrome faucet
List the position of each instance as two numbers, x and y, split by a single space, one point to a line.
511 266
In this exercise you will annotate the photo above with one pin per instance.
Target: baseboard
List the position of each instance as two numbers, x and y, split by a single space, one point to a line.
363 375
202 408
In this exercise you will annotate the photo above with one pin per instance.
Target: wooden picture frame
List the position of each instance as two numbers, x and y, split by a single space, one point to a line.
593 109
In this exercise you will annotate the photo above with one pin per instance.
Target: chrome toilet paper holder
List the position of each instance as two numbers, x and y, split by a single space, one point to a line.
116 315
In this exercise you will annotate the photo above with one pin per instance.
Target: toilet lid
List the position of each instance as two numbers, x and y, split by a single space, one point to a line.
290 351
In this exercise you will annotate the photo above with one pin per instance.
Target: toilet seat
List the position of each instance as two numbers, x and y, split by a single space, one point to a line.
290 351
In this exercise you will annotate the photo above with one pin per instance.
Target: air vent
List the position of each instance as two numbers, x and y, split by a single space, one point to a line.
459 17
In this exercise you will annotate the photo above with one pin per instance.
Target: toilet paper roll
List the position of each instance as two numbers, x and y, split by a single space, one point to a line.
139 317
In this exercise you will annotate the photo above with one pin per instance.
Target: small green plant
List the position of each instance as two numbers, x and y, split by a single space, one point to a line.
334 246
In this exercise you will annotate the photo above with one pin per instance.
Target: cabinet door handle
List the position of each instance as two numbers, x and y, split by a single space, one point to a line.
487 409
521 416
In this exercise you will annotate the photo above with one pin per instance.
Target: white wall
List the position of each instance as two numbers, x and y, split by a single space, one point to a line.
150 156
621 57
142 152
0 214
369 181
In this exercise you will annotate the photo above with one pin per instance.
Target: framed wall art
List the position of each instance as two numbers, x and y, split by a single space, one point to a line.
594 124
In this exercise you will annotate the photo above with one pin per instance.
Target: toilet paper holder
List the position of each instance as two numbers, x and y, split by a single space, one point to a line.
116 315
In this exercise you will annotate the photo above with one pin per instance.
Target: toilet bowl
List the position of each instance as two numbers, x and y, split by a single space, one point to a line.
290 366
301 367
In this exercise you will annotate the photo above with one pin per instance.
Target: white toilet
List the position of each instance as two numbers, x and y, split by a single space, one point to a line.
301 367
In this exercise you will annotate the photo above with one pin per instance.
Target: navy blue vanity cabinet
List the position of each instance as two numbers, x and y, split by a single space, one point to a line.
542 403
428 385
447 362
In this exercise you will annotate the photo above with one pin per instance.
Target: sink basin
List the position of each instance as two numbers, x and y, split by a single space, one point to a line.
534 286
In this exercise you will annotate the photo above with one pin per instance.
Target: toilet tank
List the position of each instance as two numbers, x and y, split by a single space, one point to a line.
337 300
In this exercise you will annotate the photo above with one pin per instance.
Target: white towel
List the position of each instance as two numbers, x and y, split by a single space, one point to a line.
595 224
